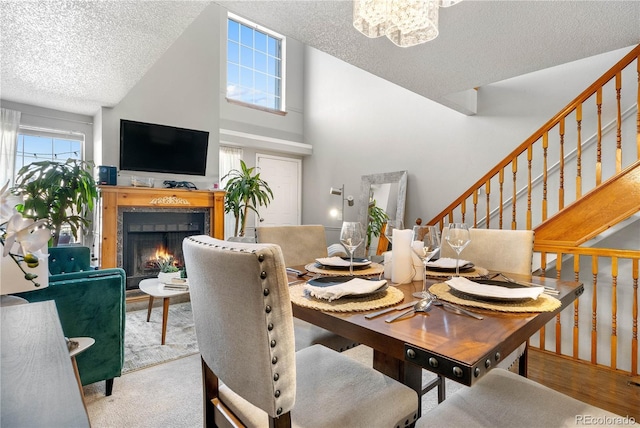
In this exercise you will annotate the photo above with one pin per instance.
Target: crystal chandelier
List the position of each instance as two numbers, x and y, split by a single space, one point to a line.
405 22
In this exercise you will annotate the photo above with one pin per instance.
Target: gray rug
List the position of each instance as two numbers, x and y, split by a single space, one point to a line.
142 338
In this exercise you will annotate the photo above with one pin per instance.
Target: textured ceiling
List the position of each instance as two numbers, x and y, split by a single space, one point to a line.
77 55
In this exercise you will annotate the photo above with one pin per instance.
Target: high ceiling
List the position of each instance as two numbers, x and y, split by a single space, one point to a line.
77 56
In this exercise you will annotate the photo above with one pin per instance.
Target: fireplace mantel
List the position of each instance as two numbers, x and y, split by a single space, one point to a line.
115 197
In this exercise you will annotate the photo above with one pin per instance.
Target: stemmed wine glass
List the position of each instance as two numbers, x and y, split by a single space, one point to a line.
351 235
458 237
430 237
391 226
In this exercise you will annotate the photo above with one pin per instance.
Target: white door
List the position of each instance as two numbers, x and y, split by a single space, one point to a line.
283 175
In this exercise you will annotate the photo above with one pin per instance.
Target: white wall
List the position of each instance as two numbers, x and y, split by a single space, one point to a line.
360 124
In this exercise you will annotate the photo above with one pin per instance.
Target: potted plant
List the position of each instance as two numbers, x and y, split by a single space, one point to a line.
168 269
61 193
245 191
377 217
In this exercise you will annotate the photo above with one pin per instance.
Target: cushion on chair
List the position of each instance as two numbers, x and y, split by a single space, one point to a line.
69 258
324 379
505 399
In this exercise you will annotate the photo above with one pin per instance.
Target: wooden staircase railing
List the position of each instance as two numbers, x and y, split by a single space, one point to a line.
549 173
552 135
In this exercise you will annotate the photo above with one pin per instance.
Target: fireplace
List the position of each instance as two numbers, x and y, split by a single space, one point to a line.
152 234
154 217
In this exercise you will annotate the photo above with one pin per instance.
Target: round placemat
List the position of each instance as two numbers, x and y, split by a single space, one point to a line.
544 302
388 297
476 272
373 269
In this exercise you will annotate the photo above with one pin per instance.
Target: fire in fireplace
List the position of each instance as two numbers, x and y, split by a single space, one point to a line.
148 236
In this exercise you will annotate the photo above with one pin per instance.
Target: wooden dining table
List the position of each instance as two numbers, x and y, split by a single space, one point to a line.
448 344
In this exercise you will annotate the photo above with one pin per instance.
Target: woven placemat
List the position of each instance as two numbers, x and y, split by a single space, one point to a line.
388 297
476 272
544 302
373 269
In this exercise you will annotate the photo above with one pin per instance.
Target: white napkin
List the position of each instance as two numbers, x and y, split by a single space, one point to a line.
340 262
446 263
484 290
352 287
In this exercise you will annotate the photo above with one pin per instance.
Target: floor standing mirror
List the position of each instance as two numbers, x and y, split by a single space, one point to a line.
386 191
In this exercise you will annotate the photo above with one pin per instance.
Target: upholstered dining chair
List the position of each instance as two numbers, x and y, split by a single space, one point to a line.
301 245
252 374
501 250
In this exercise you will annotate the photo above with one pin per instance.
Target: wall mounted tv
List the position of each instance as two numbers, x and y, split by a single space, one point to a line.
161 148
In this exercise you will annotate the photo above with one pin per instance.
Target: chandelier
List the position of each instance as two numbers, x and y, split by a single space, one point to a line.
405 22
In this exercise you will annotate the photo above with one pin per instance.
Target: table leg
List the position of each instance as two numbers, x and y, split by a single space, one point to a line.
165 316
149 308
408 373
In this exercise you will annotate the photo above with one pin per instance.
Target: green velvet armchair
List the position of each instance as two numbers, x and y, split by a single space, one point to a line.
91 303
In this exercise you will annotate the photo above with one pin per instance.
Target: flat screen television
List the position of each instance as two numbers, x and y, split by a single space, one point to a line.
160 148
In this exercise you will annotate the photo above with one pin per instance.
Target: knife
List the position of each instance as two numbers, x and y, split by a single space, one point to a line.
386 311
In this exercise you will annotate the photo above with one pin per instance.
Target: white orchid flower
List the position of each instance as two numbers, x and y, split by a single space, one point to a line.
8 204
29 235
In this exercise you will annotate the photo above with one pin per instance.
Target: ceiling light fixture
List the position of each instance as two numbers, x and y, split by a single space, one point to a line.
405 22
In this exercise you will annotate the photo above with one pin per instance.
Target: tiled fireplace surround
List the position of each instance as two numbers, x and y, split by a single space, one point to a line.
175 209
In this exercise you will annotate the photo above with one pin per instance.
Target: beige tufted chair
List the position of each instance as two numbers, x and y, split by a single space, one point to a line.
301 245
500 250
251 372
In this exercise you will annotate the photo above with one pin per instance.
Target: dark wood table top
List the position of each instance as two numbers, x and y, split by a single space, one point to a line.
455 346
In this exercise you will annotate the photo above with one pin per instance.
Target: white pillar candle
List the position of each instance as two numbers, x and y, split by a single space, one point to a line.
402 271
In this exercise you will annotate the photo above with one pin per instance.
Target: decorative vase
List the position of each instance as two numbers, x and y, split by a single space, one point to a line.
165 277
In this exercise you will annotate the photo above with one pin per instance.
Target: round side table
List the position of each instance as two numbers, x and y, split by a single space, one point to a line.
154 288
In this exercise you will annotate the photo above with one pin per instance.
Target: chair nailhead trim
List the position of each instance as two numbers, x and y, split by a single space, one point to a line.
277 394
263 275
270 326
265 292
279 411
267 309
273 343
276 377
261 257
274 360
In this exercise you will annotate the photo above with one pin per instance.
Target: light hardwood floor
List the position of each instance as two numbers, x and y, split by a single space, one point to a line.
615 392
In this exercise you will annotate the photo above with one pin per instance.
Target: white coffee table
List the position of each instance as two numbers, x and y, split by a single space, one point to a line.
154 288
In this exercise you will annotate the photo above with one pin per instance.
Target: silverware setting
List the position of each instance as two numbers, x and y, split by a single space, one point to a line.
387 310
423 305
547 290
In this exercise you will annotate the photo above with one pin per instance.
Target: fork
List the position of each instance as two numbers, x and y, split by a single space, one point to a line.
547 290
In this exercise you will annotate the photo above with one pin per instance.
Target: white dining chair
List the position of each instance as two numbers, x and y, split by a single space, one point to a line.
300 245
252 375
500 250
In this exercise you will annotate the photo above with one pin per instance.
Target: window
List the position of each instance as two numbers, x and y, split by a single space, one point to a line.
255 64
37 145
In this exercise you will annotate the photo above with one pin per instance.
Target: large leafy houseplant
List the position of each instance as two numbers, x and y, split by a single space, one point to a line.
245 191
377 217
61 193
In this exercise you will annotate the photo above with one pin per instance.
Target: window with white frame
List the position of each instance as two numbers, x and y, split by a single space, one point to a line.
35 144
255 64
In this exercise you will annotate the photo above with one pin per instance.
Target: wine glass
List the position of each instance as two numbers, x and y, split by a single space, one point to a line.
351 235
425 244
391 226
458 237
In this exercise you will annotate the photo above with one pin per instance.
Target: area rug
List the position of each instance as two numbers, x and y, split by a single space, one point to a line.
142 346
